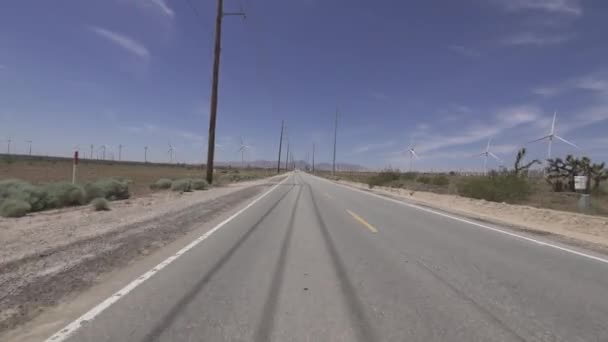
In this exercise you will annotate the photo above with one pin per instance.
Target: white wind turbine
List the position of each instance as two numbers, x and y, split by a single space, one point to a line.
412 152
243 148
487 154
171 152
552 135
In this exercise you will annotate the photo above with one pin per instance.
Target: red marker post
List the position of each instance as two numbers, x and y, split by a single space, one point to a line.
74 166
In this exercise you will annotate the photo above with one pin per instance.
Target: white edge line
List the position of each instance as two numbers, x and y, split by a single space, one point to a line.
71 328
539 242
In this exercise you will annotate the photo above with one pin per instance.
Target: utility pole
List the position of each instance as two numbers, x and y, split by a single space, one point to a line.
145 154
333 168
287 156
119 152
8 147
214 85
313 158
92 151
280 146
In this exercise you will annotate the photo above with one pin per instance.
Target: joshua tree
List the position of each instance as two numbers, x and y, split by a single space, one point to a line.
520 169
598 173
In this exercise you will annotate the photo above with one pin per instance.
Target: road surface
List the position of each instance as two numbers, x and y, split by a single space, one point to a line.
315 261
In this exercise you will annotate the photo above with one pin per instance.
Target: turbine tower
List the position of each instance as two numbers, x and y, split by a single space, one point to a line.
487 154
243 148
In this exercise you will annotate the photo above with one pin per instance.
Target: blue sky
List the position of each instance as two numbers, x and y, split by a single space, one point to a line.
446 75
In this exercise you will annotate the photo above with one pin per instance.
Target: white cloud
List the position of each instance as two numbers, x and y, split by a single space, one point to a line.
505 119
158 6
122 41
379 96
538 39
564 7
465 51
595 82
372 147
162 5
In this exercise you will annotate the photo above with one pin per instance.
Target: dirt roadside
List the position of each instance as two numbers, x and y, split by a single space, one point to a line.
50 255
571 228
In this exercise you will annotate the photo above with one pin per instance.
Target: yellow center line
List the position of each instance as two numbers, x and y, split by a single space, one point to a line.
362 221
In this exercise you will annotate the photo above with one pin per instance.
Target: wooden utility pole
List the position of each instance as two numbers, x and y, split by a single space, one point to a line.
313 158
333 168
145 154
287 157
214 85
120 152
280 146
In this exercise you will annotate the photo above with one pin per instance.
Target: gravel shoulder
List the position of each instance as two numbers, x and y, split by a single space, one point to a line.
49 255
571 228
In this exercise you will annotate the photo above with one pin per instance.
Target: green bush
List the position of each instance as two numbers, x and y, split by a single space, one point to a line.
63 194
440 180
161 184
109 188
383 178
19 190
182 185
409 176
424 179
199 184
14 207
100 204
496 188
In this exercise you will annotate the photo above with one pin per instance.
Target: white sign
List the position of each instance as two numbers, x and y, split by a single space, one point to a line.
580 182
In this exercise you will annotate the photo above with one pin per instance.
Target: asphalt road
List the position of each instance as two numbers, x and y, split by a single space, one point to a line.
314 261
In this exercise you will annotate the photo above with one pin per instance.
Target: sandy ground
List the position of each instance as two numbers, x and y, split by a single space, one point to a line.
48 255
584 228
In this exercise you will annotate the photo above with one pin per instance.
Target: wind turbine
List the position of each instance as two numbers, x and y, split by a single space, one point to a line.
103 148
552 135
120 146
8 146
411 151
487 154
171 151
145 154
30 146
244 147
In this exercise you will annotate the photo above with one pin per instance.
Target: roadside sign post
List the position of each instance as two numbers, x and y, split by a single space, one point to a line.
74 167
580 185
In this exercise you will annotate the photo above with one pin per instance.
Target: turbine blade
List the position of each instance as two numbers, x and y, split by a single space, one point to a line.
539 139
494 156
479 155
553 123
415 155
566 141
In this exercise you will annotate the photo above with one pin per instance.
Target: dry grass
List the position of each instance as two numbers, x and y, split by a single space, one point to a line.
43 170
541 194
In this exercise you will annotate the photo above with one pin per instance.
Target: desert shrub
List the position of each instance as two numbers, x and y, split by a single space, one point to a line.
496 188
383 178
199 184
424 179
409 176
19 190
108 188
63 194
440 180
100 204
161 184
182 185
14 207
